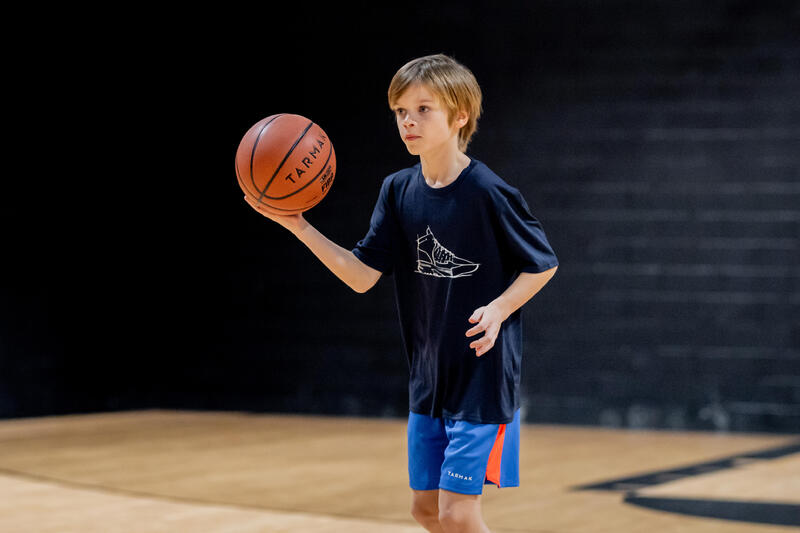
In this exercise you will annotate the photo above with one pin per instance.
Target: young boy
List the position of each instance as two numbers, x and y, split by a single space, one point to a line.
464 249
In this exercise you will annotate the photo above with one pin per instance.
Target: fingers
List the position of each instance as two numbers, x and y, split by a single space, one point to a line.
255 204
477 329
485 343
476 315
482 345
250 201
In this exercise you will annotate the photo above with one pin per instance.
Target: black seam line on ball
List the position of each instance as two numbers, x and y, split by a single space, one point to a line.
253 153
311 123
324 165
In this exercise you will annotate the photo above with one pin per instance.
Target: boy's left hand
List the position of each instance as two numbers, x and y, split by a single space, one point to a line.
488 319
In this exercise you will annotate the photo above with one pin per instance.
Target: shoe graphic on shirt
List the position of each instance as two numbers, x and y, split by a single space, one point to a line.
433 259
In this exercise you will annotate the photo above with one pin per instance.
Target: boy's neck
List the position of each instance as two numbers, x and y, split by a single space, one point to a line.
443 168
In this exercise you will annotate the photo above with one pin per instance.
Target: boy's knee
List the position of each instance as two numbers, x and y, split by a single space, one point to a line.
455 518
425 514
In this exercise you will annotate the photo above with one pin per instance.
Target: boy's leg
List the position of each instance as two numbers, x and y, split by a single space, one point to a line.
460 513
425 509
476 454
427 441
457 458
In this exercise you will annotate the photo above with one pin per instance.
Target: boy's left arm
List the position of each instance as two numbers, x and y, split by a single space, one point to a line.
489 317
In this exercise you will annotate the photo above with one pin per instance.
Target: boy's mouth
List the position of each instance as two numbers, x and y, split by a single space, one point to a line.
411 137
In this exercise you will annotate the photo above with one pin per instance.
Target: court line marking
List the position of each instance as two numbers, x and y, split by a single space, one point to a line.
774 513
779 514
658 477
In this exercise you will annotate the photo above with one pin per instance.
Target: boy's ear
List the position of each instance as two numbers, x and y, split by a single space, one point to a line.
461 119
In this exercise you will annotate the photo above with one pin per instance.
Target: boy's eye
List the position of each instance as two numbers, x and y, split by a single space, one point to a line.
423 108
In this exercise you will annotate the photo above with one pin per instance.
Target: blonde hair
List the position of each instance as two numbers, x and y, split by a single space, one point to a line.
453 83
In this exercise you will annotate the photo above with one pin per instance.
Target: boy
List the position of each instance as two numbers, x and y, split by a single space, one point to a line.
464 249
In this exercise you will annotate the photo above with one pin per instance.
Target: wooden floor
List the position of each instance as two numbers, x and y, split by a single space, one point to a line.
215 472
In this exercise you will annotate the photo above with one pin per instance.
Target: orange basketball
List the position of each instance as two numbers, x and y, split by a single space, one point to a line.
286 163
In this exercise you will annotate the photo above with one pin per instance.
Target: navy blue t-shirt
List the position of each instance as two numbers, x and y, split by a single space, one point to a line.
451 250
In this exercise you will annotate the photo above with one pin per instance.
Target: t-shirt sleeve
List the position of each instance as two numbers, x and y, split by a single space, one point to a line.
522 232
376 249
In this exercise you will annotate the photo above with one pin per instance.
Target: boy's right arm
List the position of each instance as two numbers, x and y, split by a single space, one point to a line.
343 263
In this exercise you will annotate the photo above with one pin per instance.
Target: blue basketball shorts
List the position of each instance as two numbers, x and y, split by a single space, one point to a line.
460 456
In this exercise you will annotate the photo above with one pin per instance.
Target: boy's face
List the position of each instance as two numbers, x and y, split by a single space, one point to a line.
422 120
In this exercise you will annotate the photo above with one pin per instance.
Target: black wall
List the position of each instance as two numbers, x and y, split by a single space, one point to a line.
658 143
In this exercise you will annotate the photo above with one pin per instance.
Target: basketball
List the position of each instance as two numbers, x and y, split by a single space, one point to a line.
285 163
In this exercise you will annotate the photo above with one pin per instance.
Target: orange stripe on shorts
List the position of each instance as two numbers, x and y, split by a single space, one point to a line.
493 469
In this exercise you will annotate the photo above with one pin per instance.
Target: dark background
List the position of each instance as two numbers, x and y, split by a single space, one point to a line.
657 142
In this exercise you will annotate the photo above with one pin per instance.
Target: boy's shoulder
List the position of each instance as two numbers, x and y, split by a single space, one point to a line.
486 183
485 177
401 176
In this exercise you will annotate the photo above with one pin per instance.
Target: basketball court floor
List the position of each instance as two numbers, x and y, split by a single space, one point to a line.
231 472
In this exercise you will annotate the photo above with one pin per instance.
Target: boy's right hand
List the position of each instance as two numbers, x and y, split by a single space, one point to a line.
294 223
